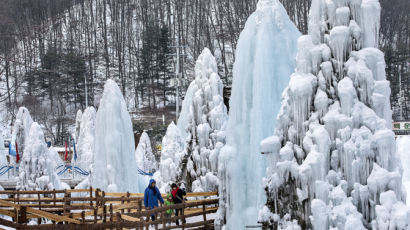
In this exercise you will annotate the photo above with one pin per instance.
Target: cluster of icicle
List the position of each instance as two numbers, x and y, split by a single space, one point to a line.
204 116
190 150
37 164
84 138
143 154
333 162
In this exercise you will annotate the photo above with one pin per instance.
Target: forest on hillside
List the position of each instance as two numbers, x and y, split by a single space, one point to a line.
53 51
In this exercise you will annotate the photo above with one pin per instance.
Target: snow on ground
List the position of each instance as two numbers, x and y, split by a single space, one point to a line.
114 164
264 61
403 148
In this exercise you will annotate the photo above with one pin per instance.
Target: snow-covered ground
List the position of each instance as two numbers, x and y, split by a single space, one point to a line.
403 148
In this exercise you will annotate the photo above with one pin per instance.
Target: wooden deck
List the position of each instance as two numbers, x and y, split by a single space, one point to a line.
95 209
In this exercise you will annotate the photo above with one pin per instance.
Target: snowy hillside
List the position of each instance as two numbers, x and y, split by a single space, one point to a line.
333 160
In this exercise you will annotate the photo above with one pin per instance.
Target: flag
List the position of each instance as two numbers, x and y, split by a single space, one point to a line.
17 154
75 152
66 153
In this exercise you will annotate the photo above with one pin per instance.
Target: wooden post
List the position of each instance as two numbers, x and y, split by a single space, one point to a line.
96 197
83 217
102 203
67 202
204 211
95 214
122 202
147 222
71 216
119 220
54 197
111 213
105 214
128 196
39 207
22 217
164 220
183 216
91 196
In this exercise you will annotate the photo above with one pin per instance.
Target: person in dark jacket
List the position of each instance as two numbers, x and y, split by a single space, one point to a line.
152 196
178 197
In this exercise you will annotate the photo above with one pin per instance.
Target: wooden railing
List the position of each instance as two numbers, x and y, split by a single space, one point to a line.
95 209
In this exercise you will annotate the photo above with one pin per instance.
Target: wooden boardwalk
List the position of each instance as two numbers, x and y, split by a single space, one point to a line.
95 209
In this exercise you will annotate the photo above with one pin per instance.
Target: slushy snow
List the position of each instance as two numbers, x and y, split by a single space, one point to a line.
332 159
114 165
265 58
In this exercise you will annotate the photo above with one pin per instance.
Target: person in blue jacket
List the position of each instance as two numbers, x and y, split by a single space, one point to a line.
151 197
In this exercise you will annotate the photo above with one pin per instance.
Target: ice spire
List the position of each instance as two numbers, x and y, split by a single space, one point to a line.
145 158
114 167
265 58
202 121
333 148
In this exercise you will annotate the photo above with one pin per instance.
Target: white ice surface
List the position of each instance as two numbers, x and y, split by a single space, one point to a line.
114 165
265 58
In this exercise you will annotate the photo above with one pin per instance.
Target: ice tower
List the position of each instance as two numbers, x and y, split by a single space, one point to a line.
333 162
265 58
114 168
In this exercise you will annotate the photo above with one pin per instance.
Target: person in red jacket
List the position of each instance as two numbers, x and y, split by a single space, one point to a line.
178 197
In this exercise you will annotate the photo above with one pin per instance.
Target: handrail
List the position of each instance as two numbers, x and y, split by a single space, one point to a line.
99 210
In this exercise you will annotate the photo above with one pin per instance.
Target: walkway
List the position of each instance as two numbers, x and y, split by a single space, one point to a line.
95 209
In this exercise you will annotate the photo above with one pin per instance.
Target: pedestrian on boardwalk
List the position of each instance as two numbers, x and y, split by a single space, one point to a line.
178 197
168 202
152 196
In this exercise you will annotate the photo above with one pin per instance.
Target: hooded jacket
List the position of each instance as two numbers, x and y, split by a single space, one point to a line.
152 195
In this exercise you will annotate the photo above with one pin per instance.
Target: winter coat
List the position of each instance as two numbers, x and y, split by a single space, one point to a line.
168 203
178 197
152 195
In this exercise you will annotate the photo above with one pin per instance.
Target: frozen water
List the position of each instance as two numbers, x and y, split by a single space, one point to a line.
403 148
203 124
78 124
37 166
173 151
85 139
114 165
265 58
337 150
144 156
21 128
